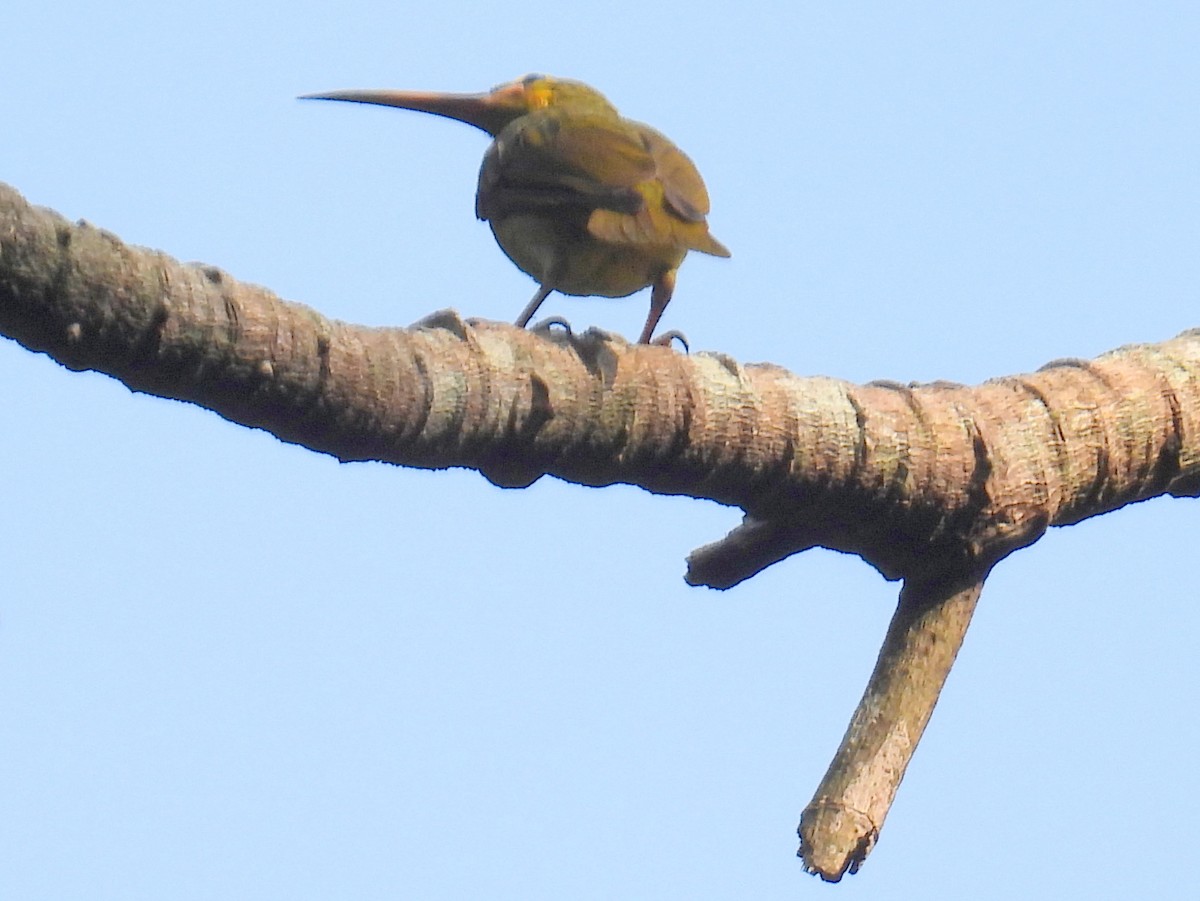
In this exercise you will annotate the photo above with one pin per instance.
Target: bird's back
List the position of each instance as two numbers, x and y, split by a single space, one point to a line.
592 176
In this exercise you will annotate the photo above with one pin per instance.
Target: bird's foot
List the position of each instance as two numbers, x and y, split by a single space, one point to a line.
665 339
552 324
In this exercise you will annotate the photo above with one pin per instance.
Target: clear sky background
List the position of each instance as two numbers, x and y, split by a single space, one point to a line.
232 668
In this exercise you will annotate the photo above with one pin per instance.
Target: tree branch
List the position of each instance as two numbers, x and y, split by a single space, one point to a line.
933 484
842 822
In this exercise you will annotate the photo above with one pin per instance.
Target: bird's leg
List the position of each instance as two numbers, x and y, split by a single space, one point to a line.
532 307
660 296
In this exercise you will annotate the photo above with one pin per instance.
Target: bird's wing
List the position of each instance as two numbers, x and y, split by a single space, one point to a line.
683 189
628 182
544 161
674 203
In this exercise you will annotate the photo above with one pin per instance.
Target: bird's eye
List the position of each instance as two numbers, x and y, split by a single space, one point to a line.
532 77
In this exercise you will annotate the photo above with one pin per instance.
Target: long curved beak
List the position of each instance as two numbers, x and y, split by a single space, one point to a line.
489 112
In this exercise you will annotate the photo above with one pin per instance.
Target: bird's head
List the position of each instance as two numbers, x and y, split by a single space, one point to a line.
535 92
491 111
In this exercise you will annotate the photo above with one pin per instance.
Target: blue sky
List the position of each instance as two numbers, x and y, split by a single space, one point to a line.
232 668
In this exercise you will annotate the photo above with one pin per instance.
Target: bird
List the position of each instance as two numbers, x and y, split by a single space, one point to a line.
580 198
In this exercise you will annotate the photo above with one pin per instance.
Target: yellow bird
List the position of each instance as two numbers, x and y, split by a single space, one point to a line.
583 200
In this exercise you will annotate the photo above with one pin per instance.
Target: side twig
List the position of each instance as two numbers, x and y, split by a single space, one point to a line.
842 822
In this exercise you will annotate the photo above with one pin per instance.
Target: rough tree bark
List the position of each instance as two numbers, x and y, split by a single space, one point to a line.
930 484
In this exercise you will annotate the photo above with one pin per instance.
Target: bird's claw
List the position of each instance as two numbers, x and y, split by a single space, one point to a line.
548 325
665 339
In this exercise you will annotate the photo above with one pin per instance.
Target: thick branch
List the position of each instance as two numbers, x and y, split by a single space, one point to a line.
898 474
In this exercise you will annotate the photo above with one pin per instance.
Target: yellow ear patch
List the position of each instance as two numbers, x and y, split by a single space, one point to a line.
538 96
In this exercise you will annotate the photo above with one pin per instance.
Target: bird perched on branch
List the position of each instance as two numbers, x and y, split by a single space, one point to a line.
583 200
